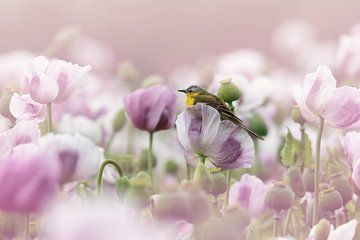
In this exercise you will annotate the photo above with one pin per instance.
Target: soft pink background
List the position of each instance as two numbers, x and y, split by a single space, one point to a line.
159 35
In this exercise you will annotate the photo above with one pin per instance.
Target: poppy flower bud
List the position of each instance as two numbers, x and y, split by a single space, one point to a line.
236 217
309 175
119 121
219 184
142 179
152 80
199 206
170 206
228 91
322 229
122 185
143 161
295 181
342 185
330 200
127 71
171 167
297 116
258 125
137 196
203 178
278 197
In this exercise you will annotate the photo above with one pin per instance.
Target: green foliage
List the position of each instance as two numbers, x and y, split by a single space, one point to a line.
292 151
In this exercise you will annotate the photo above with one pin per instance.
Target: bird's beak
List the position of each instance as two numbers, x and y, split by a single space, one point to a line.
182 90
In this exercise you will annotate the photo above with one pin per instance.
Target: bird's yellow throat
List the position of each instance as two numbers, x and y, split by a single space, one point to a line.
190 100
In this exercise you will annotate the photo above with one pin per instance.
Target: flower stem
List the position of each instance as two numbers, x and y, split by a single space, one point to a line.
317 172
276 225
228 179
26 235
108 144
188 171
49 118
288 216
202 159
149 156
101 171
302 157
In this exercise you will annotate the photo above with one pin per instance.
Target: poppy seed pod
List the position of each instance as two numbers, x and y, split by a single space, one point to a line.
219 184
322 229
142 179
228 91
330 200
118 121
342 185
308 177
203 178
122 185
258 125
278 197
295 181
297 116
171 167
236 217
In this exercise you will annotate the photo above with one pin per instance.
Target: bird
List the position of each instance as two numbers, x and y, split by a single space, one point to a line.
196 94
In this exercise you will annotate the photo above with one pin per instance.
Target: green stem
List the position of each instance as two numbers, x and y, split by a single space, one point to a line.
276 225
108 144
149 156
302 157
188 171
317 172
228 178
202 159
49 118
101 171
288 216
130 139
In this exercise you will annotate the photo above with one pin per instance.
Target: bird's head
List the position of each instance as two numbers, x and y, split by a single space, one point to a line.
193 89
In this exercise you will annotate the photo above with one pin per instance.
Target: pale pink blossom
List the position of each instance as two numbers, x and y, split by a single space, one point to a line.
55 80
103 220
315 94
79 158
22 107
249 193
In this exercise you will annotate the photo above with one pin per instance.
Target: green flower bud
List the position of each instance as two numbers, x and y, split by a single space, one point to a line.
152 80
297 116
202 177
122 185
141 179
143 161
137 196
119 120
258 125
127 71
219 184
228 91
171 167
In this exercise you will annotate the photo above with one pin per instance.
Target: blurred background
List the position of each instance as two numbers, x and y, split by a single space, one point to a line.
161 35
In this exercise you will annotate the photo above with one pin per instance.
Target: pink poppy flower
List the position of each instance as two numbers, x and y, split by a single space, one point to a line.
28 182
152 109
249 193
350 144
24 108
202 133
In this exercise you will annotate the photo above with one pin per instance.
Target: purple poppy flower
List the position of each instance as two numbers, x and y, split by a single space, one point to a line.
202 133
152 109
28 181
